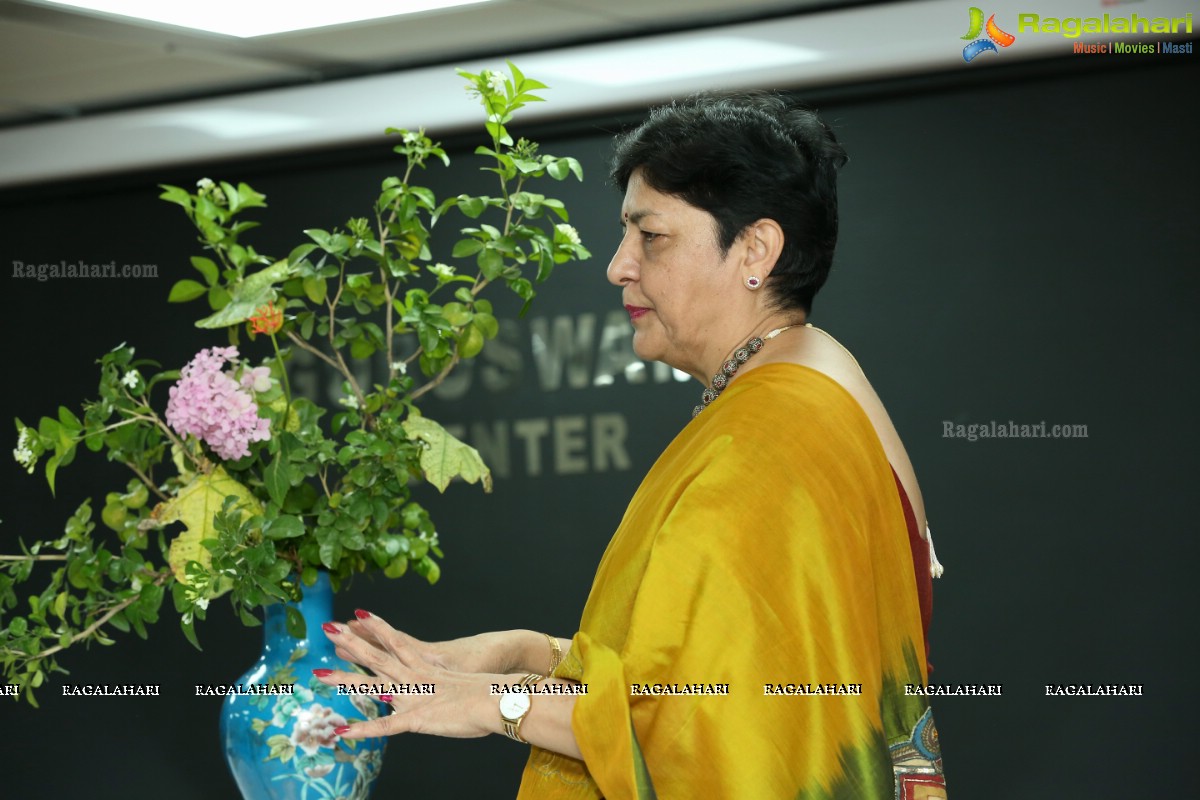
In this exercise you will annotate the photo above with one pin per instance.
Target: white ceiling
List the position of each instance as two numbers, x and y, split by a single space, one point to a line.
56 63
83 95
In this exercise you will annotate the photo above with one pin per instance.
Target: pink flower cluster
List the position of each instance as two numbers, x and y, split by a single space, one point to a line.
210 405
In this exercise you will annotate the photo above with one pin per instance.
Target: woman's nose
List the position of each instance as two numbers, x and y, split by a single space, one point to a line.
623 267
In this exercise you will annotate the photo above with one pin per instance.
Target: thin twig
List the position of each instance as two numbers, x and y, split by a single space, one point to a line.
441 376
95 626
303 345
154 419
149 483
341 362
33 558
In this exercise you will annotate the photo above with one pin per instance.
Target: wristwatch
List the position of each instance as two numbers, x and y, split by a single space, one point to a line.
514 705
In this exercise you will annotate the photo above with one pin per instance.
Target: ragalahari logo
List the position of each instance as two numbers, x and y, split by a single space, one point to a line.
995 36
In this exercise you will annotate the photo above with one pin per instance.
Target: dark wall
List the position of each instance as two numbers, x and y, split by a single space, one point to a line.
1017 244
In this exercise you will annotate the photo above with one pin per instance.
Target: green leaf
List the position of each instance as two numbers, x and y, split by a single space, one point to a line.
429 338
315 289
283 527
467 247
575 166
189 631
445 457
248 198
330 552
353 540
60 605
185 290
487 324
456 314
206 268
173 194
471 206
471 342
490 263
70 423
218 298
277 478
51 471
430 569
247 296
295 624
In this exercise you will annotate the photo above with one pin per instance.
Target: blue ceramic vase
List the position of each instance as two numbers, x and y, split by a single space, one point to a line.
282 746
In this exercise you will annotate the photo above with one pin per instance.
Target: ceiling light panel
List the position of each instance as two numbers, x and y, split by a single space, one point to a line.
249 18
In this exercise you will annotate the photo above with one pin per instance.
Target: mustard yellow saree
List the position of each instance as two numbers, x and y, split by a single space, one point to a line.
754 620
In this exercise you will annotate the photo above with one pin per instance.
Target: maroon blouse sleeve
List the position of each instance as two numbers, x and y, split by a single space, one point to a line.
920 554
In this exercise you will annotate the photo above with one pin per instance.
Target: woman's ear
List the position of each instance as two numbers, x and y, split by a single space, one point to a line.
763 242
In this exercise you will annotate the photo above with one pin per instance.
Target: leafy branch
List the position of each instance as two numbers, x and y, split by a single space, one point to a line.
265 488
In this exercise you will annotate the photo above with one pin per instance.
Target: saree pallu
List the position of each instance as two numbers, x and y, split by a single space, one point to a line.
766 552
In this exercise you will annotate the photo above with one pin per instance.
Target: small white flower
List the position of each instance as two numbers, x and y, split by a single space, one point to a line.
204 184
348 401
444 272
400 366
24 457
130 378
187 618
135 583
22 453
495 81
569 233
202 603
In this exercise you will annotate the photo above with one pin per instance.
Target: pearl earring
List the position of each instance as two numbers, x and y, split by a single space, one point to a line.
753 282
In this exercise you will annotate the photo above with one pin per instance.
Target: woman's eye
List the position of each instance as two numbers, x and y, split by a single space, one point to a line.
648 236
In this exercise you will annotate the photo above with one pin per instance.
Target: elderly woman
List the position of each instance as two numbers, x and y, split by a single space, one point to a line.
757 625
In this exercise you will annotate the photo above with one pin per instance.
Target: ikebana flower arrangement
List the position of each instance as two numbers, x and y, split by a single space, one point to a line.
237 486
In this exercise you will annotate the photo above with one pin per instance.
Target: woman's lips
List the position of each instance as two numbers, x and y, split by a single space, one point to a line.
635 311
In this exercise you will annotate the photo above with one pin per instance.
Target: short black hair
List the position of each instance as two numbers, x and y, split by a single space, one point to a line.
743 157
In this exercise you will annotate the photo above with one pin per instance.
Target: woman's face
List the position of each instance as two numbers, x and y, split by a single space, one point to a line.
675 284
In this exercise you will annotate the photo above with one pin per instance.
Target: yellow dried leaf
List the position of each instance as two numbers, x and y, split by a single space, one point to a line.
195 506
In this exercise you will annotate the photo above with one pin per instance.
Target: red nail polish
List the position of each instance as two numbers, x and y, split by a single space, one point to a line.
329 627
387 698
358 612
322 673
341 729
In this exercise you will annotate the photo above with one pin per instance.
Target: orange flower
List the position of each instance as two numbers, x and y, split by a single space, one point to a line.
267 319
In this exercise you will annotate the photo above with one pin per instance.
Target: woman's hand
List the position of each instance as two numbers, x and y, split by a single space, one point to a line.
428 697
444 696
499 652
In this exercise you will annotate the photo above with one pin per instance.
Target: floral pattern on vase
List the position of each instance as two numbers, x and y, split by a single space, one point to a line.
283 746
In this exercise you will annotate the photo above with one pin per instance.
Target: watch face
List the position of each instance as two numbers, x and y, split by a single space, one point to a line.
513 704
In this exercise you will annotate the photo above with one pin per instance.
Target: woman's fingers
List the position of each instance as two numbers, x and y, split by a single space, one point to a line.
354 683
355 648
376 630
383 726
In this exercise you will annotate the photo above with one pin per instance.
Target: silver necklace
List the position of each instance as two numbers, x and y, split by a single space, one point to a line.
739 357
